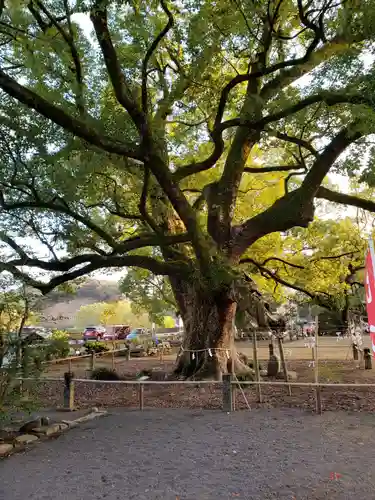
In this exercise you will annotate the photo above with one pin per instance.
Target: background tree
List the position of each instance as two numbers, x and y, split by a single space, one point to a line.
135 146
115 313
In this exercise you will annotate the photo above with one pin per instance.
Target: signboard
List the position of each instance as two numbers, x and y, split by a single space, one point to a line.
370 292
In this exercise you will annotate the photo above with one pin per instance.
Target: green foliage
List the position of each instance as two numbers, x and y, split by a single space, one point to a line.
169 322
149 293
318 259
60 335
95 347
58 346
18 360
104 374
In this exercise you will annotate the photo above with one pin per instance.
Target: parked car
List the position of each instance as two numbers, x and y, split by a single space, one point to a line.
122 331
109 336
117 332
135 333
94 333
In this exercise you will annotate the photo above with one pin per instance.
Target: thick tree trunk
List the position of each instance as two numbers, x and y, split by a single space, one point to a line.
208 344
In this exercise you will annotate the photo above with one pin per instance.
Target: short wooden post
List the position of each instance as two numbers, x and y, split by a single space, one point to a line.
355 352
232 371
92 362
367 358
318 400
113 359
128 353
227 393
256 366
141 396
69 391
283 363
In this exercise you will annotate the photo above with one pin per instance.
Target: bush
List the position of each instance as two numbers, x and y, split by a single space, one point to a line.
95 347
58 348
60 335
104 374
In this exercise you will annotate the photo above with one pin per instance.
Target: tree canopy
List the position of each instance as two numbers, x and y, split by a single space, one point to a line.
190 140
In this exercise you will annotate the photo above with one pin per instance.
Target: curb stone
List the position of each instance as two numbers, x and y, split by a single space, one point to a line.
46 432
5 449
26 439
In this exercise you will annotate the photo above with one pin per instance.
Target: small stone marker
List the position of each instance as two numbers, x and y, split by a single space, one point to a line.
273 363
367 358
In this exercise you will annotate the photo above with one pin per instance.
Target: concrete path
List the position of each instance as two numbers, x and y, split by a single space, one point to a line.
190 455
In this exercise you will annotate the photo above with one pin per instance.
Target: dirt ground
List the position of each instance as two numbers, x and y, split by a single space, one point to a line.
335 365
328 349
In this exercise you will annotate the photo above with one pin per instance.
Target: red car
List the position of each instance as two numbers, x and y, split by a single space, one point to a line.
119 332
94 333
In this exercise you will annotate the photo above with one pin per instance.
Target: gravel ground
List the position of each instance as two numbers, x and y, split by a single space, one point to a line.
201 455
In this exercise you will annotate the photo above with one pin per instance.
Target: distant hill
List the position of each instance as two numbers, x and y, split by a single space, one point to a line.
58 309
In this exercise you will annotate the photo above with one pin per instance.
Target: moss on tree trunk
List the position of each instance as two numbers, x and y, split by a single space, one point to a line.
208 343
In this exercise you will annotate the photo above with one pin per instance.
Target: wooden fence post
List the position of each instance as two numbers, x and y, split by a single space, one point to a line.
141 396
92 362
227 393
113 359
256 366
233 387
68 391
283 363
355 352
318 399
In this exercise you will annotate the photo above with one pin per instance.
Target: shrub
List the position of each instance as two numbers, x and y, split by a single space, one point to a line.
95 347
104 374
57 348
60 335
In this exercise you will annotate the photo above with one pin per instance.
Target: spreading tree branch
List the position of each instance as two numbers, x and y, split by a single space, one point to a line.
268 273
325 160
345 199
294 140
150 52
143 202
265 170
295 208
93 263
70 123
329 98
121 87
68 37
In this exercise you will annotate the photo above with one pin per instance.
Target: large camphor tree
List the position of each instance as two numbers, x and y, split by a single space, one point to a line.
145 134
